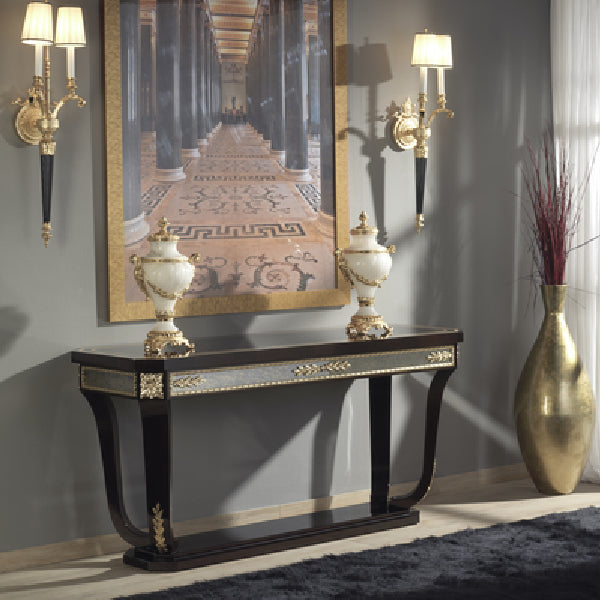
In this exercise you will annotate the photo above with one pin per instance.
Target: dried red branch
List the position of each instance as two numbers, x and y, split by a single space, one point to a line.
553 209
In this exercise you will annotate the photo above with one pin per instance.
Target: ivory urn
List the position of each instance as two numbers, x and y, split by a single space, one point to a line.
366 265
164 275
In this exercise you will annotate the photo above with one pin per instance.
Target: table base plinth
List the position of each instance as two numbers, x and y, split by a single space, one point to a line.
269 536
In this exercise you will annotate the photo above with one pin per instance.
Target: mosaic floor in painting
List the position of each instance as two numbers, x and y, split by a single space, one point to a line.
255 226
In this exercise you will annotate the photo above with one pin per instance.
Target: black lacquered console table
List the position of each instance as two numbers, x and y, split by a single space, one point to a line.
230 364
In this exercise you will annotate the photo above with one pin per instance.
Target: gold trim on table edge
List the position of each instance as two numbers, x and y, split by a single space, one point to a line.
345 375
118 309
83 386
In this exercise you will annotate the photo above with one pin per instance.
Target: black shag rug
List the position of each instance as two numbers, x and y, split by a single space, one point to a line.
552 557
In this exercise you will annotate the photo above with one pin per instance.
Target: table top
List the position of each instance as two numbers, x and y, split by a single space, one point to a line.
249 349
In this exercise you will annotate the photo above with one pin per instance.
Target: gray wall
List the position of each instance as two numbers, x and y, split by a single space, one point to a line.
240 451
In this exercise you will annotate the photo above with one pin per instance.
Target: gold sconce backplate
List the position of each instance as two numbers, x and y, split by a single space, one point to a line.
403 131
26 124
406 131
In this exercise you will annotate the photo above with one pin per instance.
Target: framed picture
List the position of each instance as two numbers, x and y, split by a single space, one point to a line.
225 117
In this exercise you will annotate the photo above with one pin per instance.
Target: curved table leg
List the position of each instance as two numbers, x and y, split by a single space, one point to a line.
434 402
380 410
108 434
156 430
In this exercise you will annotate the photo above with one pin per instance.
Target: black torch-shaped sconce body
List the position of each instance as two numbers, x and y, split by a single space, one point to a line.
37 119
420 169
409 129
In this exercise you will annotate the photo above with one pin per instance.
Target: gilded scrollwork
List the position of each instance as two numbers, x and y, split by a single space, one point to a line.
334 366
151 385
158 529
439 356
188 382
352 276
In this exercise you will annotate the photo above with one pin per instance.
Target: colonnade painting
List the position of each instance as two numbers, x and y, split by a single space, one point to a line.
245 177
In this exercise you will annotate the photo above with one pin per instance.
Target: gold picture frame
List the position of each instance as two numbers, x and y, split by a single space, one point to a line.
122 309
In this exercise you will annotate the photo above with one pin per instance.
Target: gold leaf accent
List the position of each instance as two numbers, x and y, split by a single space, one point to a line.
159 529
151 385
352 276
333 366
437 356
189 382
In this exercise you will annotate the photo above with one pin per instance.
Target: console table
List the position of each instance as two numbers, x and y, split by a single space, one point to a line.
228 364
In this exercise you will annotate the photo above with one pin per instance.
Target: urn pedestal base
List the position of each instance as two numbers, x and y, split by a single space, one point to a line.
159 344
360 326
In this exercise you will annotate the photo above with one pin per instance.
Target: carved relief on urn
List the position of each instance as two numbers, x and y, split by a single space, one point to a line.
366 265
164 275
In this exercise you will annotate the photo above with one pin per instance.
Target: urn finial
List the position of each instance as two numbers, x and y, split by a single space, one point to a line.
162 235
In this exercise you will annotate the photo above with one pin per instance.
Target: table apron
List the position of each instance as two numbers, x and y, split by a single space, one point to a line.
184 383
227 379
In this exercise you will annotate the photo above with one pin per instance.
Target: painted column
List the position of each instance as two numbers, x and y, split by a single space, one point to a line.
215 74
266 78
247 79
219 84
169 166
259 83
201 74
326 137
252 88
212 86
134 225
277 107
251 100
216 106
147 74
187 82
208 71
296 126
313 87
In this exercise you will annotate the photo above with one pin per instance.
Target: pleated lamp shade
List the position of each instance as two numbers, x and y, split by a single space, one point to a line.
38 24
70 31
431 50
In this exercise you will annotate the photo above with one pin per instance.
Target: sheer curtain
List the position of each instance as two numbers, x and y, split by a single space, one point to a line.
575 55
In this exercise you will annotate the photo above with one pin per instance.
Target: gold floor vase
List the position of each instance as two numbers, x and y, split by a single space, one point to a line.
554 406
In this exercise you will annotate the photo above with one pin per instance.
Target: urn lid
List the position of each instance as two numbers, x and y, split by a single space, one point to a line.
162 235
363 228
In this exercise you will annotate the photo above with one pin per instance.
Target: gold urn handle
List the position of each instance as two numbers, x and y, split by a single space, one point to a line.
138 273
194 259
343 266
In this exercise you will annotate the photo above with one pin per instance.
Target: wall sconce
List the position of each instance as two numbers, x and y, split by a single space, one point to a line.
408 129
37 119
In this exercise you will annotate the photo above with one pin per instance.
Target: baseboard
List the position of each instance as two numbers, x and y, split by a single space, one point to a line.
112 543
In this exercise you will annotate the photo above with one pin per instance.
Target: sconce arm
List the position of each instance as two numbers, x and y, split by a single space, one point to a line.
442 109
72 95
437 112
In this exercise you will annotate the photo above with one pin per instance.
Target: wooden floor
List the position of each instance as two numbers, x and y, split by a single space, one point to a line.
452 508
